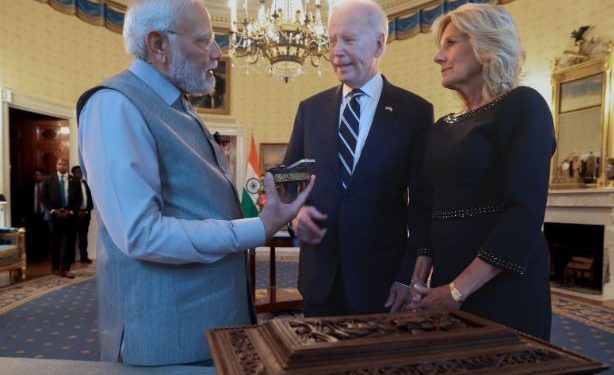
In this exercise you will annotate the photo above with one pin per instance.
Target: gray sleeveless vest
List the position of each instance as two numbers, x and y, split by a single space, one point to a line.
159 313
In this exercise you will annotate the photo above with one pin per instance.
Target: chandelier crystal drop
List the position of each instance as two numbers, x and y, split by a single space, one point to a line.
284 37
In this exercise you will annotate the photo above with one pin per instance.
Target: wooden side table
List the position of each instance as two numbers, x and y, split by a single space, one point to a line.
276 299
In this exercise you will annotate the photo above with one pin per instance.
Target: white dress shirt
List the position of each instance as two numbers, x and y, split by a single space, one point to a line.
38 198
84 195
119 158
368 105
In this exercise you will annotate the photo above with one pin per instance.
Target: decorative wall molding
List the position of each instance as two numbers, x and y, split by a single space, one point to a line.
402 23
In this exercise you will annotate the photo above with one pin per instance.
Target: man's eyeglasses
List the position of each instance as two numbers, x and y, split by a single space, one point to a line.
204 41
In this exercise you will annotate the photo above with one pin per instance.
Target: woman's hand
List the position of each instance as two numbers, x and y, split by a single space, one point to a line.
415 295
436 298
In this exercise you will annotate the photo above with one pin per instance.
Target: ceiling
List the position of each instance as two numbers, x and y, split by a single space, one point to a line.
220 11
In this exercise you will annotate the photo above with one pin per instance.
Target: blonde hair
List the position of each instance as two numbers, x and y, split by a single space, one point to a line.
495 42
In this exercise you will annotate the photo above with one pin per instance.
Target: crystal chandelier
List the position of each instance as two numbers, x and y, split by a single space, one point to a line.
284 35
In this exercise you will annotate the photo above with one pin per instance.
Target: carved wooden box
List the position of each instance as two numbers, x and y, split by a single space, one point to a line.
407 343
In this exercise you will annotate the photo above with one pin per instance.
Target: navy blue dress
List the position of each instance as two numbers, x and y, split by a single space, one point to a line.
488 172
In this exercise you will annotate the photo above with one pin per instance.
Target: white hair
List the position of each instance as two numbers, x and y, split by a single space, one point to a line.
373 17
495 42
144 16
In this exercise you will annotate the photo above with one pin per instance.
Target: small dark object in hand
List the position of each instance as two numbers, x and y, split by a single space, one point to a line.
296 172
290 180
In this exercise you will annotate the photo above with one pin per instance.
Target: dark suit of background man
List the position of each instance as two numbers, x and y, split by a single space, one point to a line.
356 256
33 211
62 199
84 214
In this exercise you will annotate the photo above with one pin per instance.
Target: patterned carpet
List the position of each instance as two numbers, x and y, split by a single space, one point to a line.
18 294
54 317
59 325
591 315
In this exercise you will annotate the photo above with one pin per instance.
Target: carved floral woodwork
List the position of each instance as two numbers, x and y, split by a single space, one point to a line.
408 343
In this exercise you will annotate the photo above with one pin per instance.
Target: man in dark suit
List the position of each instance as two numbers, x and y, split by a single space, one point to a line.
356 256
62 198
33 216
84 214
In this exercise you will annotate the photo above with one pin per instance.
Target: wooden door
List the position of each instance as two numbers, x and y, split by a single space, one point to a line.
36 141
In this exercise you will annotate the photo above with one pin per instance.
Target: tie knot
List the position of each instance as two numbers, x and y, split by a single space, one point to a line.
356 93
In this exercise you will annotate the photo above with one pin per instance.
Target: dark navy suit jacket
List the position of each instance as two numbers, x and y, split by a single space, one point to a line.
367 224
51 193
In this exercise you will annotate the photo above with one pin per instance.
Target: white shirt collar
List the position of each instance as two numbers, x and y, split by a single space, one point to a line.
373 87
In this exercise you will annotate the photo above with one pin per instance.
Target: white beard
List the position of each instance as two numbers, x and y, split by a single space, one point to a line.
188 76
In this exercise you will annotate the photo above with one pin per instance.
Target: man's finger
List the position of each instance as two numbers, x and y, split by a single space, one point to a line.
422 289
302 197
314 214
403 297
269 183
396 307
310 226
391 297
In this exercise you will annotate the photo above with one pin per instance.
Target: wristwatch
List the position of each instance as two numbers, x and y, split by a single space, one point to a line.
455 293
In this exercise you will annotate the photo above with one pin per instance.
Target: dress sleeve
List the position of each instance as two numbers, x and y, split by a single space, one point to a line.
526 143
420 197
119 156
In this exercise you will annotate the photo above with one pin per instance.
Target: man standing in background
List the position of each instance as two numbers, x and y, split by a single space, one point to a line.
62 197
33 216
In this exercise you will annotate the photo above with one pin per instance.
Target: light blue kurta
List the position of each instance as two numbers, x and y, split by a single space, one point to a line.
171 259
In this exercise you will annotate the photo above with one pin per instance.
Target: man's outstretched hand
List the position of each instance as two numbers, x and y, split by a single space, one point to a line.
275 214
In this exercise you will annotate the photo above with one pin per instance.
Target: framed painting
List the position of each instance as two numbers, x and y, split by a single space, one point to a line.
232 142
218 102
271 155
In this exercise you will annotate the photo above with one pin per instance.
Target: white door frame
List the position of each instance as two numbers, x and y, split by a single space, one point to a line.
11 99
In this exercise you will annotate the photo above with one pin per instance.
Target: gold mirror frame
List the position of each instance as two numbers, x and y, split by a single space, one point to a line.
591 170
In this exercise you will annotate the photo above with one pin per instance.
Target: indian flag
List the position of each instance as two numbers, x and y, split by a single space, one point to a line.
252 184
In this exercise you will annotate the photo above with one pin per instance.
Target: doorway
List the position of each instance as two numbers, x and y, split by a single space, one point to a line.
36 141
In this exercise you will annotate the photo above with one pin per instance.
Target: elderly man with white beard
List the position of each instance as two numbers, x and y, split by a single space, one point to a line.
171 260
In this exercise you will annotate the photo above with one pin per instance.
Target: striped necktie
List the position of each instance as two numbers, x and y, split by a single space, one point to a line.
348 136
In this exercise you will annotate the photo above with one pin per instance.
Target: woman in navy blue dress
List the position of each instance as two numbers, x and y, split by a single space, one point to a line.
488 169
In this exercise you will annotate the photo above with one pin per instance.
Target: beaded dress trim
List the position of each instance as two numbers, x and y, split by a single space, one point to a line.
425 251
451 118
499 262
461 213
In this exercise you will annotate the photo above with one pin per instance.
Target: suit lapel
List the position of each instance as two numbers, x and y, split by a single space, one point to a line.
330 122
383 122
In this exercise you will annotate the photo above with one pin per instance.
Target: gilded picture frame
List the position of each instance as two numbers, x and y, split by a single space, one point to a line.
218 102
583 157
